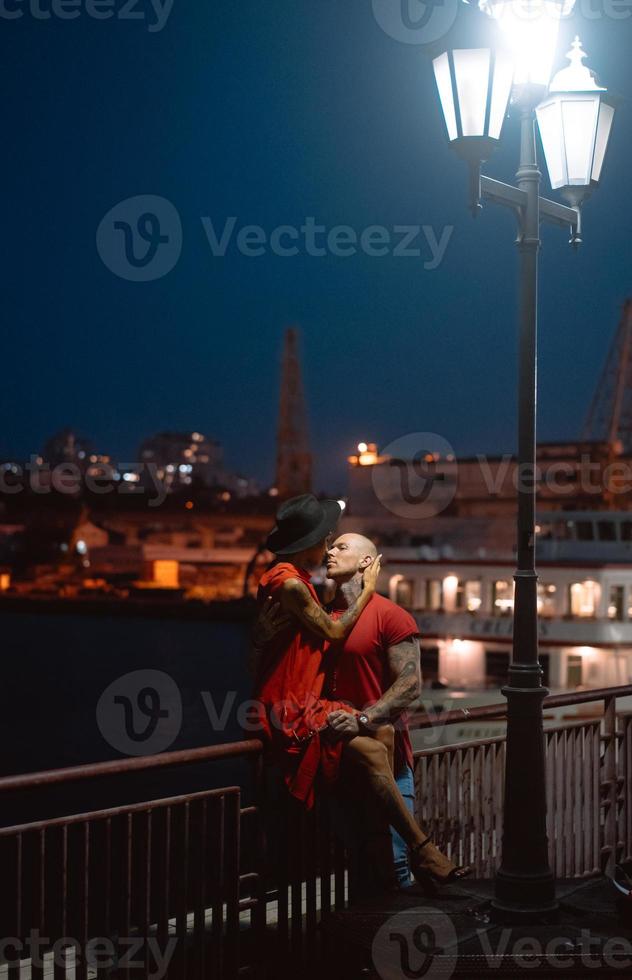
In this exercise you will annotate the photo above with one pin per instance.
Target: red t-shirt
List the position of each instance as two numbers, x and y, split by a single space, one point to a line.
361 673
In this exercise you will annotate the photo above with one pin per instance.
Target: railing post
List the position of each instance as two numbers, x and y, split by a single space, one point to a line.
259 919
610 786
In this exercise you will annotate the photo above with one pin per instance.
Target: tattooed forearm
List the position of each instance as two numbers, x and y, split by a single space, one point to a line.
297 600
404 663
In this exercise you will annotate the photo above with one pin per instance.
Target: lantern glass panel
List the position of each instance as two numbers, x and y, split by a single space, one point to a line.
606 117
472 81
579 118
503 81
444 85
552 136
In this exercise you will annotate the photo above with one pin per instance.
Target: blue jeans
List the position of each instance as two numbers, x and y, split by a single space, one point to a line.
406 784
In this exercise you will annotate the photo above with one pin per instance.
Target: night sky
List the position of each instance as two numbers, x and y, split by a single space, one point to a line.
273 112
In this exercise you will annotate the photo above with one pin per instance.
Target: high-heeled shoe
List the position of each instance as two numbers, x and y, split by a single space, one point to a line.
430 879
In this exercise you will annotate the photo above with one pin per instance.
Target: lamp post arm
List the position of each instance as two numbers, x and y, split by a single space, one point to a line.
550 211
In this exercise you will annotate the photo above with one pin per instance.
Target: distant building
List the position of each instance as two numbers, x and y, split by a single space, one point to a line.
67 446
185 459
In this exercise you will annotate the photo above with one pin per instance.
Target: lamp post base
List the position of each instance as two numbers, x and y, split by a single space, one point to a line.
523 898
525 884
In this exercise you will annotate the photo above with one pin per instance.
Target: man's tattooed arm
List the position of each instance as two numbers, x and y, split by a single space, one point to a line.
404 660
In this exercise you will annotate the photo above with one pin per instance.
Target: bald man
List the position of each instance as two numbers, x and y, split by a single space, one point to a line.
377 668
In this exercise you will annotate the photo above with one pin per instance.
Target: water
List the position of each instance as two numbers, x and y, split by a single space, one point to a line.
56 668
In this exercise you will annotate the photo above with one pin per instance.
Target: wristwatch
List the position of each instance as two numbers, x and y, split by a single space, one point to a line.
364 722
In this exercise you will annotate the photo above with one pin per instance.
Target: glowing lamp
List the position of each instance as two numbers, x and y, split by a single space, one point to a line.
474 87
530 29
575 123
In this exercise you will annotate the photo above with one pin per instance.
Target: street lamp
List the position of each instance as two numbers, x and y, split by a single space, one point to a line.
575 122
530 29
474 86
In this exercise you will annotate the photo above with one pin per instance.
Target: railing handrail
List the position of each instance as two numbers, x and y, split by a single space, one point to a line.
495 711
254 747
73 774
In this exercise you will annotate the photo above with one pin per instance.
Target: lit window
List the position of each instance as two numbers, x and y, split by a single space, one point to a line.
404 593
584 598
468 595
434 593
574 671
503 601
615 602
546 598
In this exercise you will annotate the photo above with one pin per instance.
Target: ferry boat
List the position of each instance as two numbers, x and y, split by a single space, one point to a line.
464 607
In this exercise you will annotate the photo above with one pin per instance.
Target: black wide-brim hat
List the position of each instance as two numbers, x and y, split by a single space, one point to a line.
301 523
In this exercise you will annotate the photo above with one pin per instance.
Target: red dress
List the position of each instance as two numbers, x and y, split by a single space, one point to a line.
289 684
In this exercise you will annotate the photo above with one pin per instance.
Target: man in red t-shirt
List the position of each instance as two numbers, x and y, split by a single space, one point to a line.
377 669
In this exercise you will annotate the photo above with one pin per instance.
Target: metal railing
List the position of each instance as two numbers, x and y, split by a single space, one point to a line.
225 888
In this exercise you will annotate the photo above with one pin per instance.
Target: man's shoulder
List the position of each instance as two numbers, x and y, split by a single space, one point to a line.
383 604
393 618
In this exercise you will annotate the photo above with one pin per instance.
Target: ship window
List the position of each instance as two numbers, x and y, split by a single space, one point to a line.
607 531
585 531
430 665
502 602
468 595
497 668
404 593
546 598
434 593
583 598
574 671
615 602
626 531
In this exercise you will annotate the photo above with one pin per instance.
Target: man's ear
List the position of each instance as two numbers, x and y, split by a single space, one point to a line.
365 562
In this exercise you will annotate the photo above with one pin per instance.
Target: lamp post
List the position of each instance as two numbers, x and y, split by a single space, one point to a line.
575 120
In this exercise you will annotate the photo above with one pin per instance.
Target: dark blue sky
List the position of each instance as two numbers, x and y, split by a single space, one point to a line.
273 112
